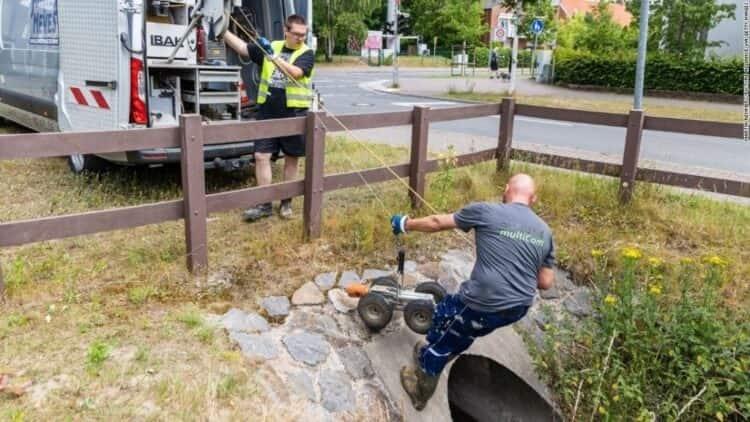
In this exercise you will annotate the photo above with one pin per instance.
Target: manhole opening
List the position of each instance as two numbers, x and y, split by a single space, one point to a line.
480 389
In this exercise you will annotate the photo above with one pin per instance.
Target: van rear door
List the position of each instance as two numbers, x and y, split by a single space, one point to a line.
90 65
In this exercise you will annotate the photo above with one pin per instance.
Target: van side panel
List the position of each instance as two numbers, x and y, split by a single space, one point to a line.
90 56
29 61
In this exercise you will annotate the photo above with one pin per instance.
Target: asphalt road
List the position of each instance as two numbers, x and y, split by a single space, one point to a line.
343 93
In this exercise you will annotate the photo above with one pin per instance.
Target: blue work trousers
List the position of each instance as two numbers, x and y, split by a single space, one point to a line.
455 326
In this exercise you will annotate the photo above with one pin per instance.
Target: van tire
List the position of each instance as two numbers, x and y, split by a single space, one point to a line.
80 163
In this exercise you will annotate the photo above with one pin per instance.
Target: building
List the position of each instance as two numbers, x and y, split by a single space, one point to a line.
567 9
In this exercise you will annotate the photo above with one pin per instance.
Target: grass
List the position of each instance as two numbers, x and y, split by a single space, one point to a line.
610 106
129 290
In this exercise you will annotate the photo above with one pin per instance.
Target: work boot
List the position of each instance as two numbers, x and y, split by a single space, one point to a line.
418 385
285 210
256 213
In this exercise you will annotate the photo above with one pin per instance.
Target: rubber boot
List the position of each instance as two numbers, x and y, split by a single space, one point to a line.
256 213
418 385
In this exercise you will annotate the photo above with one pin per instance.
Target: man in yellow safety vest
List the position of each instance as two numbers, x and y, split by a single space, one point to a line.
278 97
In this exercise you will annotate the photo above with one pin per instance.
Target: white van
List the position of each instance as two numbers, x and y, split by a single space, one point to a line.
82 65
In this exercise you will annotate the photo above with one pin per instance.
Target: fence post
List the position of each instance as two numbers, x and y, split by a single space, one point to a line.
315 136
630 155
417 164
505 134
194 192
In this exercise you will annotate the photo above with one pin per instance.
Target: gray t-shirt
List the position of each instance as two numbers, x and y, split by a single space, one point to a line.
513 244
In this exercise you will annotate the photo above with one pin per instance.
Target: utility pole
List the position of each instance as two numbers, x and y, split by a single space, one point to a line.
390 17
396 44
640 67
514 54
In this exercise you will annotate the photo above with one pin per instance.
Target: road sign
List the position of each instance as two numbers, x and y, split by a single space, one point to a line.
499 33
537 26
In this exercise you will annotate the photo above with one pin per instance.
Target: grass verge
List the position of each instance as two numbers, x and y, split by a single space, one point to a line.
610 106
113 327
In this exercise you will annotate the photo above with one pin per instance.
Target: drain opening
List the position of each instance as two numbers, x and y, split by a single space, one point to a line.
480 389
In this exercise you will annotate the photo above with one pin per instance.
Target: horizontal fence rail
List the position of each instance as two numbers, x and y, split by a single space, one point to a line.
192 135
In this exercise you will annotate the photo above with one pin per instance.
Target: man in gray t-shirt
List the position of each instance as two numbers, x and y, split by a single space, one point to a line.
515 256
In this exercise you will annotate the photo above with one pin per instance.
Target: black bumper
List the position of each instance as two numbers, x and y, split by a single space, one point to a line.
226 156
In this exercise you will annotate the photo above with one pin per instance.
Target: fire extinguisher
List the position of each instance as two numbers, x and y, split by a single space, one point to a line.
200 34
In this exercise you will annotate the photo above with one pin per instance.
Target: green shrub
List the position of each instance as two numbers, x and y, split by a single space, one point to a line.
662 344
503 57
662 72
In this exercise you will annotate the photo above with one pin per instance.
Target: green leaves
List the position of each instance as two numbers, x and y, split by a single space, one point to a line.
663 72
679 352
452 21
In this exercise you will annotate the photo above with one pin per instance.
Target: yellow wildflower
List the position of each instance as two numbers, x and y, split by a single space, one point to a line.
686 261
602 410
610 300
596 253
655 262
655 289
616 398
717 261
632 253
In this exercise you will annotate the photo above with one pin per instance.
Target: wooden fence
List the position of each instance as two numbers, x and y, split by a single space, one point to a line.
191 136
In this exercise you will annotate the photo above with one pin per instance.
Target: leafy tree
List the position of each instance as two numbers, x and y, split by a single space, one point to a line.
596 32
544 10
339 22
452 21
680 27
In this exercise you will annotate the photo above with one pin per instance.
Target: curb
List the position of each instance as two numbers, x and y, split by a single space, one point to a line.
377 87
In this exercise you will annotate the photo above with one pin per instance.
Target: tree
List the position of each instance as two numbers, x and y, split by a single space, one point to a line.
680 27
544 10
452 21
338 22
596 32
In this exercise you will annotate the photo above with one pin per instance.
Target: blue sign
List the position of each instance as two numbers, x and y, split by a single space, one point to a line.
537 26
44 23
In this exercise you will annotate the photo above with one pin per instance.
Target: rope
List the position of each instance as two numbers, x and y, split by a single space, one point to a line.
351 134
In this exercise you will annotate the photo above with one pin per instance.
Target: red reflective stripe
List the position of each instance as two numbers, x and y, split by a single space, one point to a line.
78 95
100 100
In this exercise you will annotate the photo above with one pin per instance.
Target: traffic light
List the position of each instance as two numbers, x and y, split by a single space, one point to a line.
404 23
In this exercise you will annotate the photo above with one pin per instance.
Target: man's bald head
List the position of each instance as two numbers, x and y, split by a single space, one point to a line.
520 188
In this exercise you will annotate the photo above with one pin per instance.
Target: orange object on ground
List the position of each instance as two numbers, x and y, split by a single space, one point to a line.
356 290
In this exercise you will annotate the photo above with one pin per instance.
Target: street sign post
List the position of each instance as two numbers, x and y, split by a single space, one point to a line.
537 26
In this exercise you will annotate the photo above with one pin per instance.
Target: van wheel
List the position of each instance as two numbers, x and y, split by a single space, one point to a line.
80 163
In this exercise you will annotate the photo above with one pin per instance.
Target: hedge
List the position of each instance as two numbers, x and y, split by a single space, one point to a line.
503 56
662 72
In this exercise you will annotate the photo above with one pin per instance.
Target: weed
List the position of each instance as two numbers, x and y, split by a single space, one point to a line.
142 354
228 385
16 415
139 295
205 335
98 353
18 276
191 318
441 184
660 340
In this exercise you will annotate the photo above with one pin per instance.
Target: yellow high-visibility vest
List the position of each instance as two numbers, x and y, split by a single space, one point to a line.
298 95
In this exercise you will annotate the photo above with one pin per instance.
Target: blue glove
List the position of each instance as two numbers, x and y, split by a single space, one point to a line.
398 224
265 45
